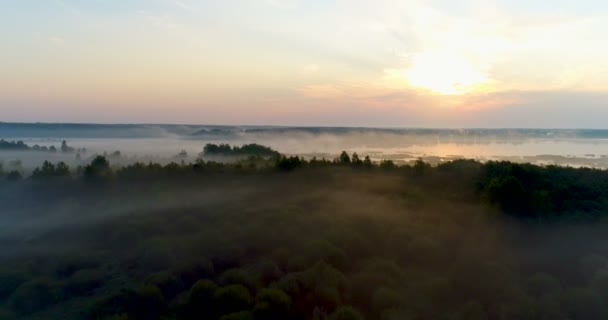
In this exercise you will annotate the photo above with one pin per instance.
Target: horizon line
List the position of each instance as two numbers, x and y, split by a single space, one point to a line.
298 126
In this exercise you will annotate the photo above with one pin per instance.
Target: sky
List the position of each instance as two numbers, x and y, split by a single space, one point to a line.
386 63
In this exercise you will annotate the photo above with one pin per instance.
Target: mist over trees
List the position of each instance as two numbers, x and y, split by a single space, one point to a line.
21 146
284 237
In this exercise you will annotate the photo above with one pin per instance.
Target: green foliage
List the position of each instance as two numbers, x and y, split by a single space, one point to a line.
65 148
168 283
14 176
232 298
84 281
50 171
209 240
98 170
289 163
346 313
387 165
21 146
529 191
344 159
200 300
386 299
35 295
240 276
324 285
472 310
244 150
356 161
272 304
421 168
150 303
367 162
13 145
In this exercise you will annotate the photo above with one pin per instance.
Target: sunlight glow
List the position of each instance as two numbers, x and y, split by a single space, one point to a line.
445 73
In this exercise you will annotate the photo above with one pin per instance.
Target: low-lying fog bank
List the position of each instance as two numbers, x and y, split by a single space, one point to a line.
167 143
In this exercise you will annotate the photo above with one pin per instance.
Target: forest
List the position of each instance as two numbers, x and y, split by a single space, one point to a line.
283 237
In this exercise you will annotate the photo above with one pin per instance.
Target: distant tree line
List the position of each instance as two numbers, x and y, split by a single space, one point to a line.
520 190
21 146
245 150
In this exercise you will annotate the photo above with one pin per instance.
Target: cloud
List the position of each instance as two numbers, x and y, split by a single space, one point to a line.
182 5
56 41
310 69
282 3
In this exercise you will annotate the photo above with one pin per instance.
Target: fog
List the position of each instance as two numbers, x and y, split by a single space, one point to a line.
370 244
163 143
261 238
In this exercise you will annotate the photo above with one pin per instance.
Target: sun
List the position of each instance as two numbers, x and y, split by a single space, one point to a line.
445 73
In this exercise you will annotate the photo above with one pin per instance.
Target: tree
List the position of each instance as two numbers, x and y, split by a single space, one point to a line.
16 165
65 148
367 162
289 163
98 170
200 300
272 304
62 170
344 158
9 145
232 298
509 193
14 176
34 295
421 167
149 304
346 313
45 171
387 164
356 160
49 170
